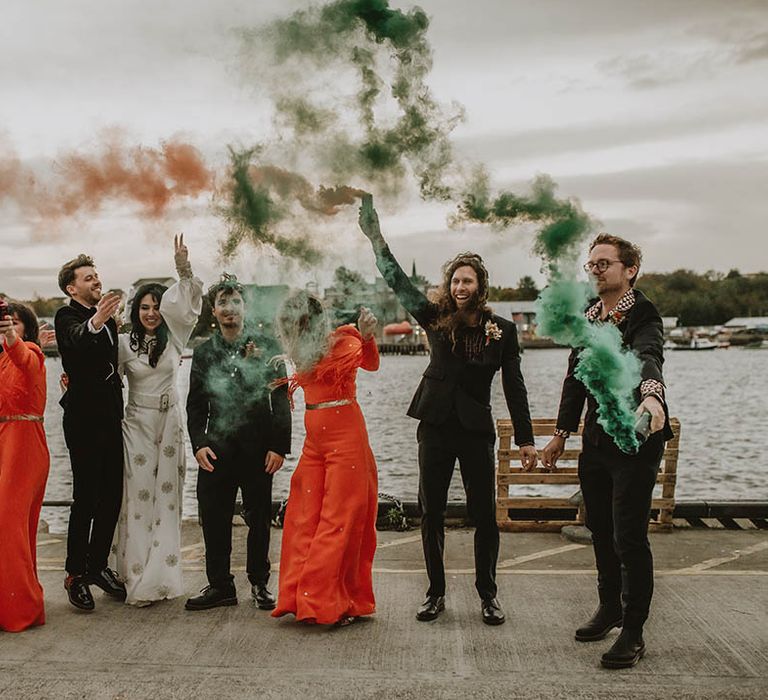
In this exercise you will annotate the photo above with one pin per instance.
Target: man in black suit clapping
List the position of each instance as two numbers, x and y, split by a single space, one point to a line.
93 408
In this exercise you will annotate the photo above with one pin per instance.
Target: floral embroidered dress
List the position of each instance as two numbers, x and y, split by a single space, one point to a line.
329 534
148 538
24 465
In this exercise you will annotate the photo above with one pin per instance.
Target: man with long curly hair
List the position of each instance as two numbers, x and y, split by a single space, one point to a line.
468 345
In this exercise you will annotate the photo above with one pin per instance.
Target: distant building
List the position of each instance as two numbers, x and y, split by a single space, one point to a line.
375 295
523 313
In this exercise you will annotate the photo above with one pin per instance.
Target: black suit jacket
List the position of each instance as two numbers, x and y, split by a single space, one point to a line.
231 407
453 384
94 395
642 330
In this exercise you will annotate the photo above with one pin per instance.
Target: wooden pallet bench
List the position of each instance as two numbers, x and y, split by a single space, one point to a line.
556 512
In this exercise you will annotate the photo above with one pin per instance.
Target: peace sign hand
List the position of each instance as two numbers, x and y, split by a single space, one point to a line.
181 256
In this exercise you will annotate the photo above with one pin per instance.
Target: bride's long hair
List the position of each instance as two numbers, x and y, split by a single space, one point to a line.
303 327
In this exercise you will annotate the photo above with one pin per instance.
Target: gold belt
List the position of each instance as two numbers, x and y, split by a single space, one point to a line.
329 404
21 416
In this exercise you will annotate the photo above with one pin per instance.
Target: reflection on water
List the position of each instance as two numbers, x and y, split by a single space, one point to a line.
721 398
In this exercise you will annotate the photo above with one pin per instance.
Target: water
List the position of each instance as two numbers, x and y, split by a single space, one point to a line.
720 397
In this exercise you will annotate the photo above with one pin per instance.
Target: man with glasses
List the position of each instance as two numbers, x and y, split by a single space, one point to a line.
618 487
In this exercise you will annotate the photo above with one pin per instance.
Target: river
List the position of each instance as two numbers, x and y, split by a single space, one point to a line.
720 397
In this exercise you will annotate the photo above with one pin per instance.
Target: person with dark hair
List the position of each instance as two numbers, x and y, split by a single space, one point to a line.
468 345
24 463
86 333
240 429
147 544
618 487
329 531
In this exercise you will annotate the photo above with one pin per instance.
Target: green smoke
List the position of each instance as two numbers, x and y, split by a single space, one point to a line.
363 35
252 212
609 372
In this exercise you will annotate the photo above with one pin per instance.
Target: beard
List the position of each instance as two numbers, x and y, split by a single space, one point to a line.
467 314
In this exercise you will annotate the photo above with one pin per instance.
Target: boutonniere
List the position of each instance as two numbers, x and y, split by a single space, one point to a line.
492 332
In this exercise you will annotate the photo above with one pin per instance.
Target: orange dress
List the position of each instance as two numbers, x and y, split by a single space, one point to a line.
24 465
329 533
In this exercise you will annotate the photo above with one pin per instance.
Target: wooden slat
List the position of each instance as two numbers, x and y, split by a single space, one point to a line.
537 478
534 502
534 525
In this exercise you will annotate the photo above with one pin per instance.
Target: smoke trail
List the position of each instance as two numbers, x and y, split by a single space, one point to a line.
608 371
252 210
80 182
360 34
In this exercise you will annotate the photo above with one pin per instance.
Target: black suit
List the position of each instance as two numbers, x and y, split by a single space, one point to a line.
232 410
453 403
618 487
93 409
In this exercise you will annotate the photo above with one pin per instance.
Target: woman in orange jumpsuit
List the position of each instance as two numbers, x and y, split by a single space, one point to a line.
23 468
329 533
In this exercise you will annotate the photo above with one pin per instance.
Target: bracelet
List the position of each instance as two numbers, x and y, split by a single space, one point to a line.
559 432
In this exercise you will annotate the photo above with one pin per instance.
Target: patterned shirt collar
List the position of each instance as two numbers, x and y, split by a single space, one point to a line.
617 313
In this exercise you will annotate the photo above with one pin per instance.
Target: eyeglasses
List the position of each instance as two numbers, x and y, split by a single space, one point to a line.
601 265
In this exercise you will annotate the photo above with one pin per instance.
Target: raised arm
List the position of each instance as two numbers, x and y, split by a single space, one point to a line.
410 297
26 357
367 325
182 302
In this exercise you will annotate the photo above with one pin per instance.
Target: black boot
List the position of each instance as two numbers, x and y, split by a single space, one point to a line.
492 612
626 651
431 608
212 598
78 592
107 580
606 617
262 597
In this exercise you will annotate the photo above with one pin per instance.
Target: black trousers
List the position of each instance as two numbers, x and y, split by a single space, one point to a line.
439 448
617 491
216 494
96 456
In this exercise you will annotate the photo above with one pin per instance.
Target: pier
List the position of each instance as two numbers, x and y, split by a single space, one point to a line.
707 636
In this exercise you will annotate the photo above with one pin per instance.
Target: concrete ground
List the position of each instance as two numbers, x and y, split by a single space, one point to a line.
707 636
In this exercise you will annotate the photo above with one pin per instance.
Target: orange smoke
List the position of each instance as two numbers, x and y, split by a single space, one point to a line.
149 177
77 182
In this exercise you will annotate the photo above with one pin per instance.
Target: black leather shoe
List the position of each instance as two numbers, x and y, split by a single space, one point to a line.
626 651
212 598
262 597
606 617
492 612
107 580
431 608
78 592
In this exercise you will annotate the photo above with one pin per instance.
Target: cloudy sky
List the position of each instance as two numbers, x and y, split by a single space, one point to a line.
653 113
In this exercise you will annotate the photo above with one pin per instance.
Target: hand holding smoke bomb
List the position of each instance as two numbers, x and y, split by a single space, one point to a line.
650 417
369 221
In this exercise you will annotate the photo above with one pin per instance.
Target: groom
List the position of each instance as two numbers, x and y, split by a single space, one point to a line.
240 429
93 409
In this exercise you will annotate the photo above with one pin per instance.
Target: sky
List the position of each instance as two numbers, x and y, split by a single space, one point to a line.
654 114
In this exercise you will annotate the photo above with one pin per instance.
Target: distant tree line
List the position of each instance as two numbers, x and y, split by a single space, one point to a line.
707 299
